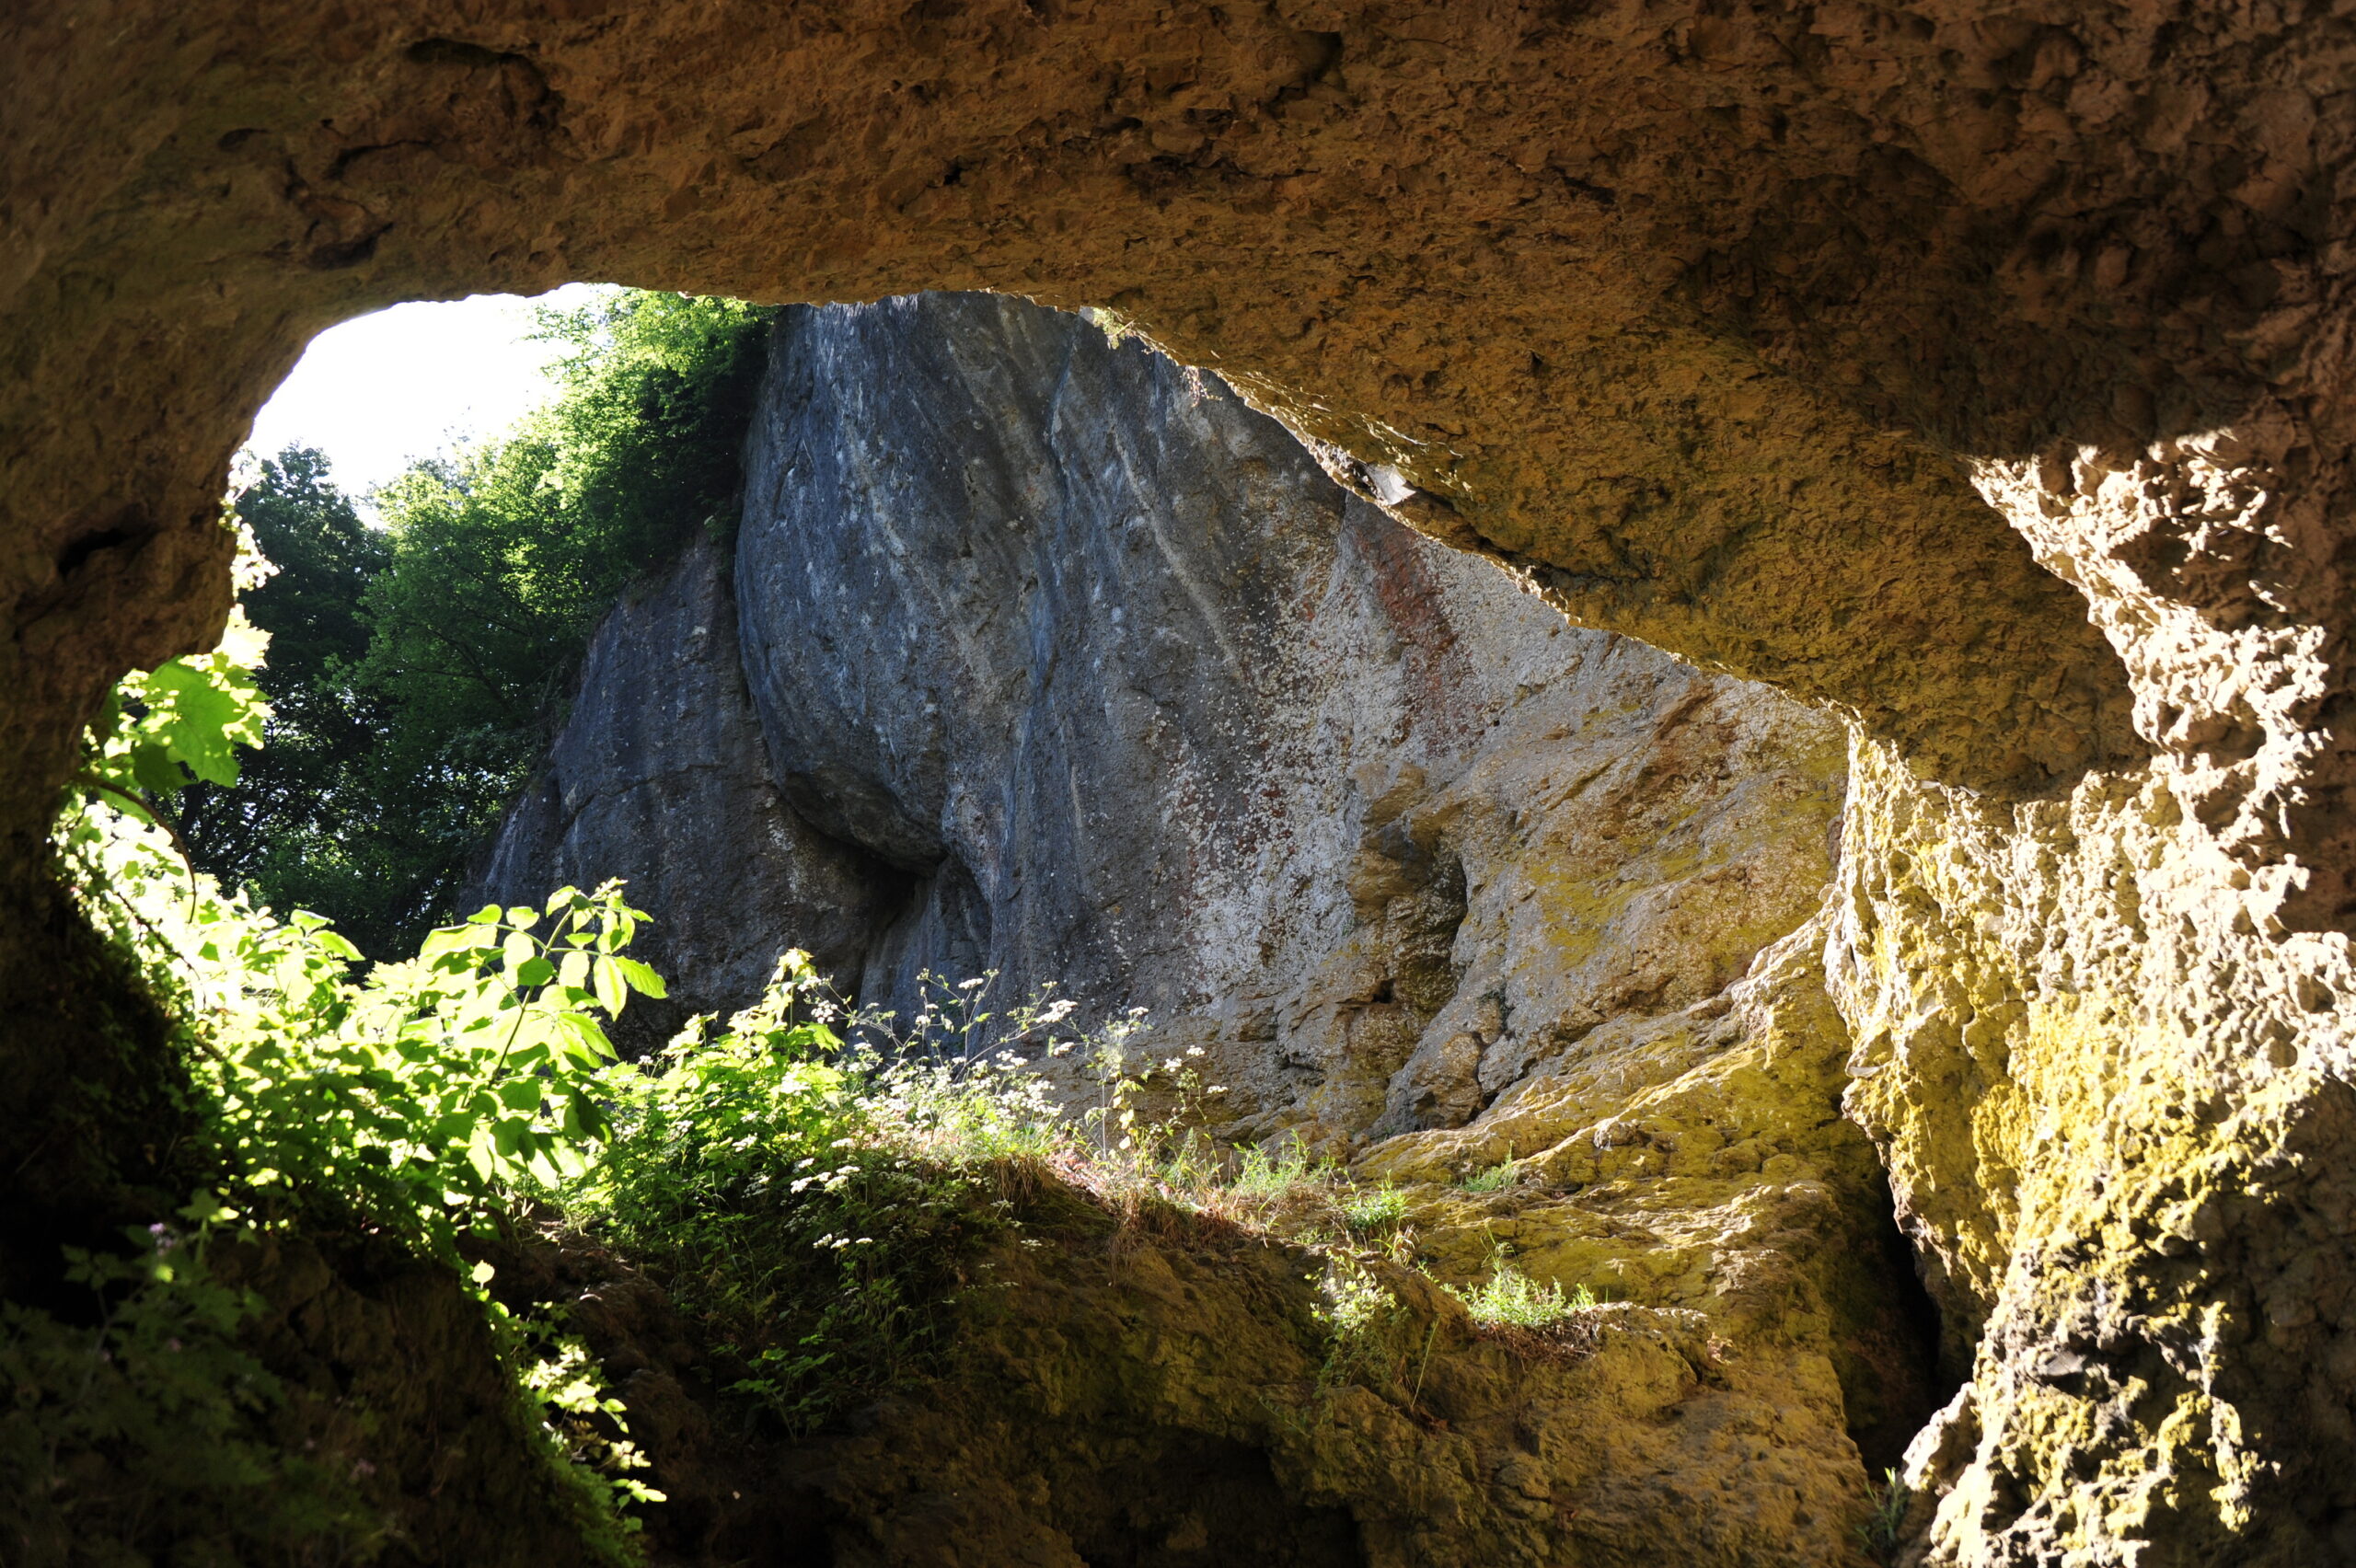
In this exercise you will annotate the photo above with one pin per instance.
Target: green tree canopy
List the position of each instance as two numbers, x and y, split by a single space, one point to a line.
284 809
419 671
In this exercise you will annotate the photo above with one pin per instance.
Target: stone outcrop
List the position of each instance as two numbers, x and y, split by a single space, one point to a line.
1157 712
660 779
1108 685
1156 1387
1978 373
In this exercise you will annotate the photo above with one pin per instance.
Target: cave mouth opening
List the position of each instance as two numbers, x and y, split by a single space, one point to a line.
459 506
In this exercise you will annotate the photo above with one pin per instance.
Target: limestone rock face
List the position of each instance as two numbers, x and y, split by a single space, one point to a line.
1149 1389
1154 710
1112 686
659 778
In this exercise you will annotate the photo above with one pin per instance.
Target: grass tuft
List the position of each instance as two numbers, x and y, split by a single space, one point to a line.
1494 1178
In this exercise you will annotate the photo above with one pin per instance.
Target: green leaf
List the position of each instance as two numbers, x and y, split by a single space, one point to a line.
534 972
520 1093
612 991
585 1042
642 980
201 714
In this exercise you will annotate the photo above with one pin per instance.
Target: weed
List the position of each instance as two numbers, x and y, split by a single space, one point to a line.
1293 1168
1367 1209
143 1427
1883 1532
1511 1299
1493 1179
1360 1318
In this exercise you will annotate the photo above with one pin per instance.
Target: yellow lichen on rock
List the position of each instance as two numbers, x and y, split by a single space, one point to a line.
1167 1388
1699 1161
2101 1102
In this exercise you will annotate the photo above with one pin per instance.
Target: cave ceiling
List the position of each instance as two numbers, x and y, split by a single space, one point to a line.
1698 317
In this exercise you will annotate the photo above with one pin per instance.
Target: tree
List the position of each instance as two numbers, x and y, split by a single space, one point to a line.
287 805
422 669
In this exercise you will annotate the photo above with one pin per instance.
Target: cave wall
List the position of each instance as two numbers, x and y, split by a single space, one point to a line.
1155 711
1979 374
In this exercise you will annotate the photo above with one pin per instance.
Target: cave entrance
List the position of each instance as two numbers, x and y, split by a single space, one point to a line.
1022 648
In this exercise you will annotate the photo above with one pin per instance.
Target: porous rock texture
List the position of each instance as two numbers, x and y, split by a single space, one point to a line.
1979 372
1156 1387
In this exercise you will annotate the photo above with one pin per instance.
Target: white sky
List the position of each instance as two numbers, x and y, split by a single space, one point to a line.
410 382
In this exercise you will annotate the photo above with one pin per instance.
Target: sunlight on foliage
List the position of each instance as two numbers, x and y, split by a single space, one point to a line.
1374 1208
426 1092
1509 1299
1265 1175
423 1096
1493 1179
422 668
808 1181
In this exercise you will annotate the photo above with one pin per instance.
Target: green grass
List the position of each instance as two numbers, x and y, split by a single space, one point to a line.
1373 1208
1511 1299
1884 1530
1263 1175
1494 1178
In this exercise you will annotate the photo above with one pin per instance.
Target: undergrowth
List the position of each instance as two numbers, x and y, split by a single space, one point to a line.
414 1101
811 1184
1511 1299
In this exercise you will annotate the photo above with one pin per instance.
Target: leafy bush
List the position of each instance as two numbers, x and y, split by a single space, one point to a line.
809 1193
423 1095
747 1172
418 1098
127 1426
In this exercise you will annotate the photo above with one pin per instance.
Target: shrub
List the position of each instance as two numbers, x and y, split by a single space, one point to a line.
1511 1299
142 1422
1374 1208
416 1102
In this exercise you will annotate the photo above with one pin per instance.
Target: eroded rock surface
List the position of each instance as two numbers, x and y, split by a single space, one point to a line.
1119 691
660 778
1792 339
1156 1387
1157 712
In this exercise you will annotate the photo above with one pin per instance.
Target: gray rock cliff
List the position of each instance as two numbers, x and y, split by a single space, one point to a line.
1069 665
660 779
1059 661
